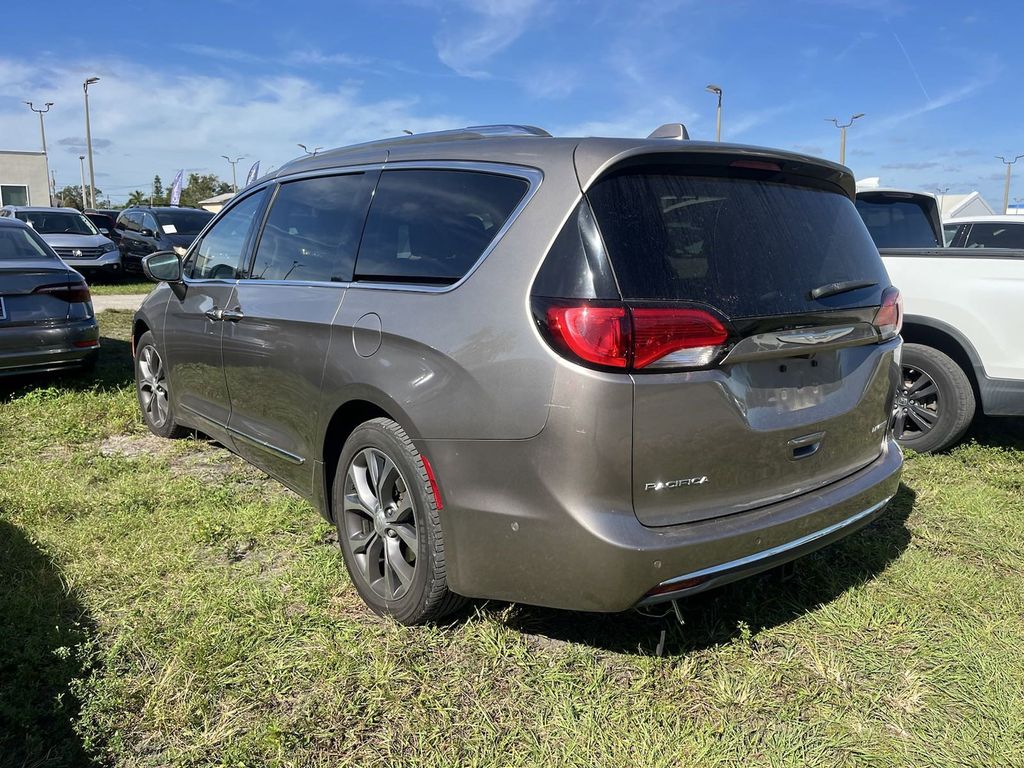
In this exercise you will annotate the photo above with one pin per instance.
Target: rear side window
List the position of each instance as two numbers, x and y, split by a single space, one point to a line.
996 235
897 223
312 232
431 226
744 246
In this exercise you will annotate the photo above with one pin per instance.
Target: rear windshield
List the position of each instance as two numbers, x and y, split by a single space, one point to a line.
58 222
746 247
18 243
896 223
183 222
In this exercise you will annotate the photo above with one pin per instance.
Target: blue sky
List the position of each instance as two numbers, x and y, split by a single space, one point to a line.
186 82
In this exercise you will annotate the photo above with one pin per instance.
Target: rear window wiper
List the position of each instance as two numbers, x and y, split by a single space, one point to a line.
834 289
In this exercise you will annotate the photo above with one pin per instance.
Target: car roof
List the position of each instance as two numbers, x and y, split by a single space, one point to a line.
41 208
164 208
9 222
525 145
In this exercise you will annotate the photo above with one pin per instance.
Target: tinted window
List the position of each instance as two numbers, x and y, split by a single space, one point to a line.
148 222
18 243
183 222
895 223
312 232
432 226
58 222
996 235
744 246
220 253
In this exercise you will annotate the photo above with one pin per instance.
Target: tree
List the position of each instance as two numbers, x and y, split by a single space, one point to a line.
159 197
71 197
202 186
138 197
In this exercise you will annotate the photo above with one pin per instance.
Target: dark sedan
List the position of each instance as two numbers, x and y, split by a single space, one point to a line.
46 317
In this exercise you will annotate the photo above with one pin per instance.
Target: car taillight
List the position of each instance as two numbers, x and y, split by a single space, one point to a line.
889 317
75 293
624 337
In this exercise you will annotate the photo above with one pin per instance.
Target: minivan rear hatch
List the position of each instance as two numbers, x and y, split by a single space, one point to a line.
798 397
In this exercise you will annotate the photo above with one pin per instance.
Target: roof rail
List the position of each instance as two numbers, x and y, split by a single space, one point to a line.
504 130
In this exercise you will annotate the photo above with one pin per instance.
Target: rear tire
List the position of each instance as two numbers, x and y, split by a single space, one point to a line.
388 526
153 391
934 403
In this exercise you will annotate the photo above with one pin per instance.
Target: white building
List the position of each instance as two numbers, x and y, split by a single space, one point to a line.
23 178
973 204
215 203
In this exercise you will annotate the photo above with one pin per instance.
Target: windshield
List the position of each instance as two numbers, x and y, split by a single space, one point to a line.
58 222
746 247
18 243
184 222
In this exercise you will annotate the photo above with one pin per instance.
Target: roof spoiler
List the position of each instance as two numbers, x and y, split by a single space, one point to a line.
670 131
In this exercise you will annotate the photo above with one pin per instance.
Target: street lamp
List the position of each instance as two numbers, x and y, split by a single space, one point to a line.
717 90
81 163
842 135
1006 187
234 178
941 192
310 152
42 133
88 144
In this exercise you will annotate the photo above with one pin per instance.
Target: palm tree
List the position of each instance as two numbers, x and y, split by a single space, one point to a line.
138 197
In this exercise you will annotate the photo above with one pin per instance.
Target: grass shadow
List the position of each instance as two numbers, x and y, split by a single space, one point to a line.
722 615
43 635
998 432
114 369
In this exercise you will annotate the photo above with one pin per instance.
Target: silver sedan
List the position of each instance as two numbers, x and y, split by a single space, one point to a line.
46 317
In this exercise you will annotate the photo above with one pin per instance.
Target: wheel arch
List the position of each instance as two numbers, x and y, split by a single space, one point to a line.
139 327
948 340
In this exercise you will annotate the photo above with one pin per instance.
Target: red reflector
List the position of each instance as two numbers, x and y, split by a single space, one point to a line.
87 344
757 165
598 335
889 317
676 586
433 481
660 332
76 293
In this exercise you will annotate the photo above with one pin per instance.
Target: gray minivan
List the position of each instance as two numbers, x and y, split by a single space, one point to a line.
588 373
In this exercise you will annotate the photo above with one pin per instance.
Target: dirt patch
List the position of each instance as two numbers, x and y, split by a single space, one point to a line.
133 446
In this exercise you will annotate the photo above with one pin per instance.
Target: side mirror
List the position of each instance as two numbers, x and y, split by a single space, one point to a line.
162 267
104 231
146 232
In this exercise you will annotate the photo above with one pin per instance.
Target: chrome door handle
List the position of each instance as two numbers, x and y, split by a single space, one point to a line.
232 315
215 314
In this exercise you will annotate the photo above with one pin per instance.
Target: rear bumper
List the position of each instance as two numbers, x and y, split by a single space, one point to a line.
38 349
578 557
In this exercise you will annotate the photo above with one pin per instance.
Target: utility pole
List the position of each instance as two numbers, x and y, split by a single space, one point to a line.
234 178
1006 186
81 163
717 90
88 144
53 190
942 196
42 133
842 134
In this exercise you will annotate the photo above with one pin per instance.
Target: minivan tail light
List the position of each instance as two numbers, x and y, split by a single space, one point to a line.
889 317
75 293
633 338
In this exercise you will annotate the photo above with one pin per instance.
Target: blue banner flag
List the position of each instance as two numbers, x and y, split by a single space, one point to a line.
253 173
176 188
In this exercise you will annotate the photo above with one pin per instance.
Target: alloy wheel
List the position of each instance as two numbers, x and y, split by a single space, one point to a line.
380 523
916 410
153 386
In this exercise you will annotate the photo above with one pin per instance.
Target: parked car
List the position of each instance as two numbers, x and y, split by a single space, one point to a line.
75 239
964 308
987 232
104 221
581 373
46 317
146 230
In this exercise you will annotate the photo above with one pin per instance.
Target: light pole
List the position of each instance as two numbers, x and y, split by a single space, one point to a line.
717 90
310 152
1016 205
942 196
81 163
1006 187
842 134
88 143
42 133
234 179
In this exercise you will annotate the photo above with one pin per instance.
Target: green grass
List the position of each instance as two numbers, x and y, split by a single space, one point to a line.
120 287
161 603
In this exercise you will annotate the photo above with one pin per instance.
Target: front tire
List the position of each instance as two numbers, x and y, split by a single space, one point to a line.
388 525
934 403
153 391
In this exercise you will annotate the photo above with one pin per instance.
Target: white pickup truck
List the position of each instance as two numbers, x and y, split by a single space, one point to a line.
963 325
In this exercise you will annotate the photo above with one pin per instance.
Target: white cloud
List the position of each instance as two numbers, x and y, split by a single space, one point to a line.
492 26
145 121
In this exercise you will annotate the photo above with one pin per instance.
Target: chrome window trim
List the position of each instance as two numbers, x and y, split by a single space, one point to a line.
533 176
